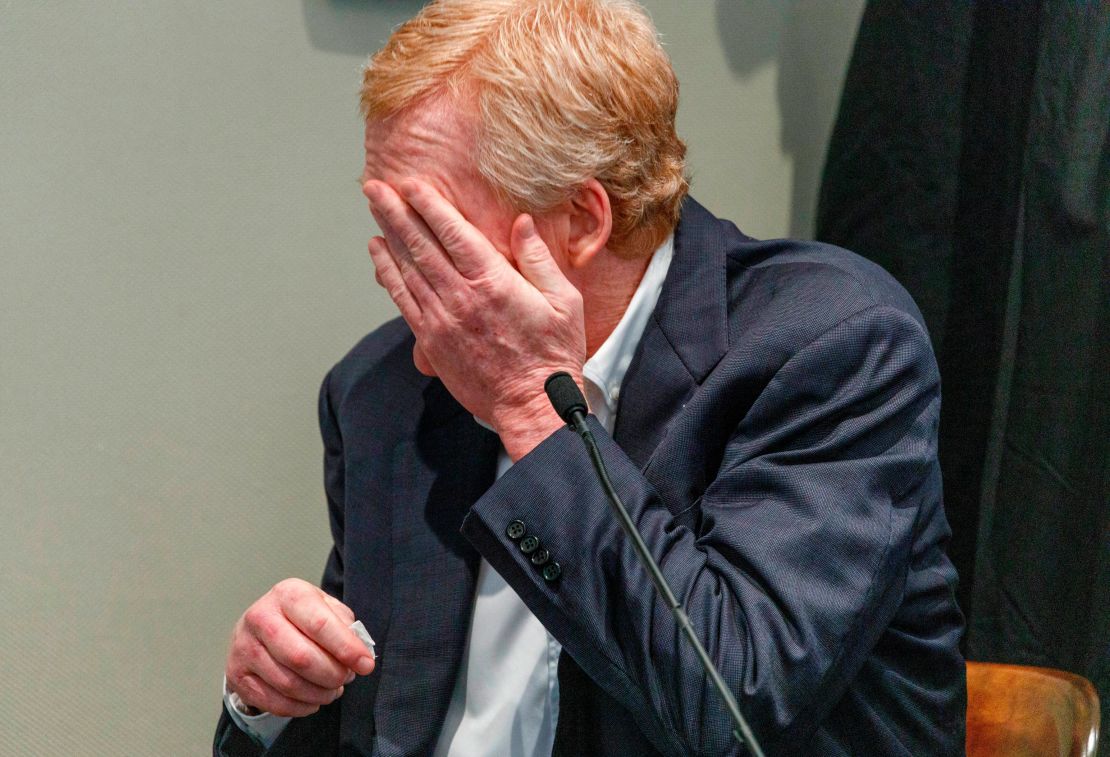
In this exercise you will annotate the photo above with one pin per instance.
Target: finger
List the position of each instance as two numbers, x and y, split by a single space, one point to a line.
340 609
410 238
416 283
469 249
317 621
289 646
534 259
257 693
389 276
308 660
423 242
288 682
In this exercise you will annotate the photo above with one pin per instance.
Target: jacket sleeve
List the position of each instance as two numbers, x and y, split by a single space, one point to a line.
316 734
790 564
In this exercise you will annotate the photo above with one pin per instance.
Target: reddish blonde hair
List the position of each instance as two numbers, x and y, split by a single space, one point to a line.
561 91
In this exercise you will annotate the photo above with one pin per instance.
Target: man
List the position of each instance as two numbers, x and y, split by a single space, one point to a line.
767 411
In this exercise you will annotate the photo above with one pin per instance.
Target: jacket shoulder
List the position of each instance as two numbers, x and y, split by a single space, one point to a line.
825 272
789 289
792 291
381 362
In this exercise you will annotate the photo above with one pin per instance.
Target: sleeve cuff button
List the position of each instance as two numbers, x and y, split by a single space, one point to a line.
515 530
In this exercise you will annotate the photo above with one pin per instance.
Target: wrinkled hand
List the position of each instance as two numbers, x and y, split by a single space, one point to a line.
491 332
292 651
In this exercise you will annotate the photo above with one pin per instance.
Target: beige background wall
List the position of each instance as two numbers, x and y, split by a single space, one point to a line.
182 257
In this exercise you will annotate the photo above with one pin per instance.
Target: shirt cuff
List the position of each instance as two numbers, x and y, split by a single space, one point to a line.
263 728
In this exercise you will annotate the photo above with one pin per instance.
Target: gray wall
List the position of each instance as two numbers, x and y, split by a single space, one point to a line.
182 256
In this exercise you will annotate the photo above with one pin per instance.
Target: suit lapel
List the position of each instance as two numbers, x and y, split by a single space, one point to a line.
685 338
437 475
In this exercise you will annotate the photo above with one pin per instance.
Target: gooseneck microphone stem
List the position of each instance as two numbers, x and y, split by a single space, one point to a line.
569 403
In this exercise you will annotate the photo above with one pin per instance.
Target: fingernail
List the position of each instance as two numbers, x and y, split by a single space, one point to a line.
338 693
364 666
528 228
350 677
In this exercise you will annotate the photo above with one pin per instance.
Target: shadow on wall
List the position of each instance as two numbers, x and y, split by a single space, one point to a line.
811 41
354 27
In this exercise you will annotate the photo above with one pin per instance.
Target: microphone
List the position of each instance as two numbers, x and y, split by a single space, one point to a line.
565 396
569 403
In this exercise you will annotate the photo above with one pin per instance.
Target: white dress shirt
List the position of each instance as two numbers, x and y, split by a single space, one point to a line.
506 699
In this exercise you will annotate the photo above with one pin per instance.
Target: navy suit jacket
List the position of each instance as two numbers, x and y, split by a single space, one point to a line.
776 445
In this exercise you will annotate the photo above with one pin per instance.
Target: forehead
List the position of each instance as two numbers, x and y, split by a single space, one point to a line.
430 142
436 144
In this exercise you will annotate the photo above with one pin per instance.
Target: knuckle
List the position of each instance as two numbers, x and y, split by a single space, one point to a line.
352 652
252 619
250 691
288 589
452 234
236 674
334 679
318 698
483 283
285 678
328 691
396 291
533 252
317 623
269 630
294 688
263 626
490 289
412 239
286 685
254 654
300 659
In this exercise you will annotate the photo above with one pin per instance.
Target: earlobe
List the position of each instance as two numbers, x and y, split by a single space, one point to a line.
591 223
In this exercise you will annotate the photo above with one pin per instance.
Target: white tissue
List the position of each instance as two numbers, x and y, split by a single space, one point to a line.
364 636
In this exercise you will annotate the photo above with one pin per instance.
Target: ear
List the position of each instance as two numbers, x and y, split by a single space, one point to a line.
591 223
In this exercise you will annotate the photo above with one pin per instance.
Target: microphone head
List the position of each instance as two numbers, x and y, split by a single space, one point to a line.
565 395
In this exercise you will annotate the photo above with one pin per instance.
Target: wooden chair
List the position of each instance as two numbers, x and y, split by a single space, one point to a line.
1015 710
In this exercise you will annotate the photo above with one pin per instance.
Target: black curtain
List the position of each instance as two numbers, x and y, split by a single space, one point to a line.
971 158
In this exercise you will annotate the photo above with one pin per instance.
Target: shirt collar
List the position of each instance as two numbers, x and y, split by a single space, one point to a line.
605 369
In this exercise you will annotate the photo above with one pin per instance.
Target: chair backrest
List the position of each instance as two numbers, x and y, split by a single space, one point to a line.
1016 710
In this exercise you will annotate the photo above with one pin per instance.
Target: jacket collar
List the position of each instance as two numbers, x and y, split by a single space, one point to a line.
692 310
686 337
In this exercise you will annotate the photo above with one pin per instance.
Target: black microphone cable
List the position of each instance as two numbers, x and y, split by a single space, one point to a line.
569 403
